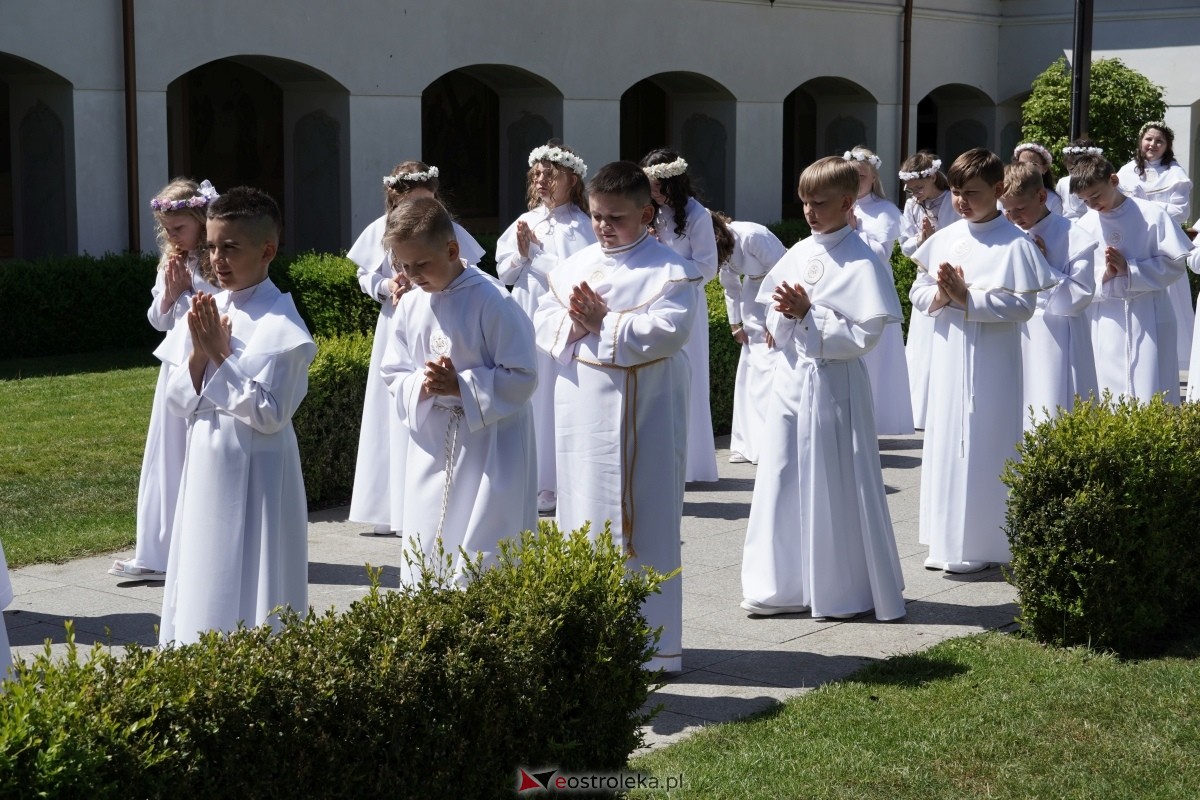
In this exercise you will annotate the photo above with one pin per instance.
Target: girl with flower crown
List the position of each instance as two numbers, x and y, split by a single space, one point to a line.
1072 207
928 209
877 221
183 269
383 441
1034 153
684 225
1153 174
557 225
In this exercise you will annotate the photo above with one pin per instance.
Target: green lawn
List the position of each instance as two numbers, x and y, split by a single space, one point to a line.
70 453
989 716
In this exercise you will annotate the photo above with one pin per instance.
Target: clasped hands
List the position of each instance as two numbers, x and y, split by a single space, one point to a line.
212 333
952 287
441 378
586 308
1114 263
791 301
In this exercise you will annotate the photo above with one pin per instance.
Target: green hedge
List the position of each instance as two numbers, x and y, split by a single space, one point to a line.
328 297
433 692
76 304
1102 520
83 304
328 421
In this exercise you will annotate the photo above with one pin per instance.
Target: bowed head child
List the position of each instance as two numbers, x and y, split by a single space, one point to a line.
820 536
377 498
616 318
461 366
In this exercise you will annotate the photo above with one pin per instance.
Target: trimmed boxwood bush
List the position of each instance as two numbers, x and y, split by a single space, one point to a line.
431 692
328 297
1102 520
76 304
328 421
82 304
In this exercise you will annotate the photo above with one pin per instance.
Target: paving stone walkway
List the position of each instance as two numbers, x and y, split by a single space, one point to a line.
734 664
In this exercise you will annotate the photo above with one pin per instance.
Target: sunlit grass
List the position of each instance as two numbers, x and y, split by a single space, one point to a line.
70 454
989 716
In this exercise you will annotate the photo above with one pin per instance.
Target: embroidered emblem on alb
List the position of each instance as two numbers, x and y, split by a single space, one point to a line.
596 276
814 271
440 343
1113 237
961 248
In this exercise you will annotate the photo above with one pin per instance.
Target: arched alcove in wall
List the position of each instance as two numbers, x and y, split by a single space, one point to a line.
692 114
954 118
36 159
478 124
272 123
822 117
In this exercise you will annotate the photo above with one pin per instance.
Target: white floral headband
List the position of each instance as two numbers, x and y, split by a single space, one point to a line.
392 181
858 155
206 195
1160 125
659 172
1076 150
922 173
1035 147
557 155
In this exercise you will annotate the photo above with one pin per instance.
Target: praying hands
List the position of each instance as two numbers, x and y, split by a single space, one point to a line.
587 309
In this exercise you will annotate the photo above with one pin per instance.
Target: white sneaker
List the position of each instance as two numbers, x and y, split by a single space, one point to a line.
764 610
382 530
737 458
966 567
933 563
547 501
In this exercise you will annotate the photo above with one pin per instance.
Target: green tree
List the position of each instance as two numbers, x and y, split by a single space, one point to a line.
1121 100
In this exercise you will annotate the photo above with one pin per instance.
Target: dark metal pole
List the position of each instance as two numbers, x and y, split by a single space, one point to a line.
131 148
1081 68
906 80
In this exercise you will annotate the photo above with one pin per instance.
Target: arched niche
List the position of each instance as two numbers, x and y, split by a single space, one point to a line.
822 117
272 123
690 113
478 124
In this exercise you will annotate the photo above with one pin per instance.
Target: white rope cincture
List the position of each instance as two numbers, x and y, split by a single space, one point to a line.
456 416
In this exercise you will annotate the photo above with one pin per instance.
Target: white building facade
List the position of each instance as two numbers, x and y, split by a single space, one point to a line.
315 101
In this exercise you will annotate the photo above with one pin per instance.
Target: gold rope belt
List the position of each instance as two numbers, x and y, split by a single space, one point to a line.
628 433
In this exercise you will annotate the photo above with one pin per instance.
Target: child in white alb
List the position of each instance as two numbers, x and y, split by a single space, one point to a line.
461 365
616 318
1057 363
183 270
1154 175
239 370
978 279
376 498
746 252
820 535
1141 252
877 220
928 209
684 225
555 226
